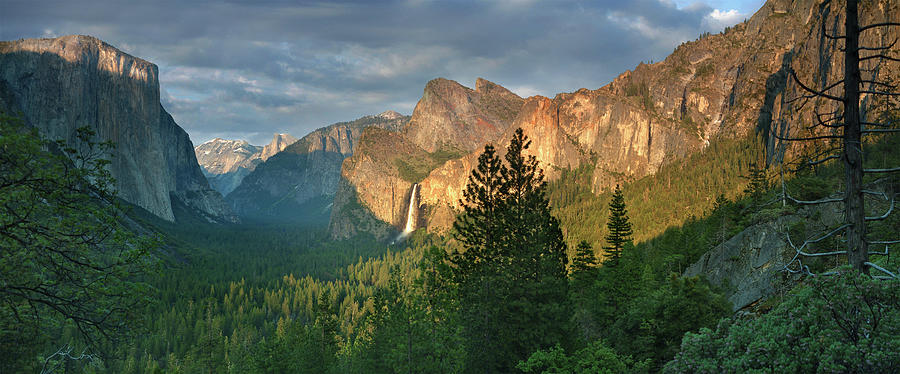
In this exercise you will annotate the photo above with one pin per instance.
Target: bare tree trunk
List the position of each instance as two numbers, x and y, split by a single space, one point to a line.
857 248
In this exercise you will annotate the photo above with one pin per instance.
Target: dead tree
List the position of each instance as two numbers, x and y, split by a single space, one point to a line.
844 131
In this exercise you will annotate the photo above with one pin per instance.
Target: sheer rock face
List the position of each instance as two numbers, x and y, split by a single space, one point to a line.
225 163
731 85
373 195
306 172
69 82
279 143
451 116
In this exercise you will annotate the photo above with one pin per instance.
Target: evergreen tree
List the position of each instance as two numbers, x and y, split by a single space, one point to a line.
584 291
512 272
759 182
584 261
618 226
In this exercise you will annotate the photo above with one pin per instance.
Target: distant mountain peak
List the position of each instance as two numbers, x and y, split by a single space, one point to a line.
389 115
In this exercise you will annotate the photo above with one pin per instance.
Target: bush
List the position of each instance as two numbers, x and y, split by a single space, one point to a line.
595 358
843 323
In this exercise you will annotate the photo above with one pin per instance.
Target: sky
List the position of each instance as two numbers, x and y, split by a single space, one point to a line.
246 69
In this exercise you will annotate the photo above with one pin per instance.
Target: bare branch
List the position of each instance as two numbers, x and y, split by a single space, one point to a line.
876 267
872 131
874 25
883 216
832 157
807 242
810 138
892 170
814 92
879 83
875 124
879 93
829 36
813 202
880 55
881 48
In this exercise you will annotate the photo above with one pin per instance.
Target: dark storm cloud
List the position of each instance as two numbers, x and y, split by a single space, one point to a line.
247 69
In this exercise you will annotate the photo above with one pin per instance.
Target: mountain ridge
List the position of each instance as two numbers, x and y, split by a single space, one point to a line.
729 85
226 162
304 173
61 84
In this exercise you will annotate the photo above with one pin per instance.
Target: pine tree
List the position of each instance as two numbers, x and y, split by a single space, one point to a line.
512 271
584 291
759 182
584 261
619 228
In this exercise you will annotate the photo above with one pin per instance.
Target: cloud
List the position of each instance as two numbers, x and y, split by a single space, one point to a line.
247 69
717 20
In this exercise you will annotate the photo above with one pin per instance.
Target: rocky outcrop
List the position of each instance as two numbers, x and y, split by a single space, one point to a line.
225 163
59 85
453 117
748 266
299 183
279 143
729 85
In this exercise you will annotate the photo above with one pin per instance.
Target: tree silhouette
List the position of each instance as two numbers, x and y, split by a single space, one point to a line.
619 228
843 130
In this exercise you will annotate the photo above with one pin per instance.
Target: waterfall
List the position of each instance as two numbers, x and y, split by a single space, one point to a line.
411 212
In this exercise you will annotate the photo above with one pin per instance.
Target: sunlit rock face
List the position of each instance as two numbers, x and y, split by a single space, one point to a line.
451 116
300 182
729 85
69 82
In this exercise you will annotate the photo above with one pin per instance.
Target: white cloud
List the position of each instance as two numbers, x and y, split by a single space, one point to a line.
717 20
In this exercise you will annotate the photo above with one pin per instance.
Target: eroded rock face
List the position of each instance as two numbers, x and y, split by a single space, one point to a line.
69 82
374 185
747 266
279 143
301 181
451 116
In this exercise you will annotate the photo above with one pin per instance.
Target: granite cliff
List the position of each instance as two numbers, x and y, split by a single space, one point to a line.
729 85
299 183
61 84
225 163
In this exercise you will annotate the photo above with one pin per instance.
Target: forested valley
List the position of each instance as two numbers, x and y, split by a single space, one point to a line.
765 251
274 299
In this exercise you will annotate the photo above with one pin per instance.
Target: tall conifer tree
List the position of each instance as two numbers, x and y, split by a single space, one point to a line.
512 269
619 228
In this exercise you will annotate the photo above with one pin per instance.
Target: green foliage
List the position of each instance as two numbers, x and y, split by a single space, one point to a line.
414 170
759 181
512 270
415 326
642 91
653 324
68 267
669 199
844 323
595 358
705 69
584 262
619 229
